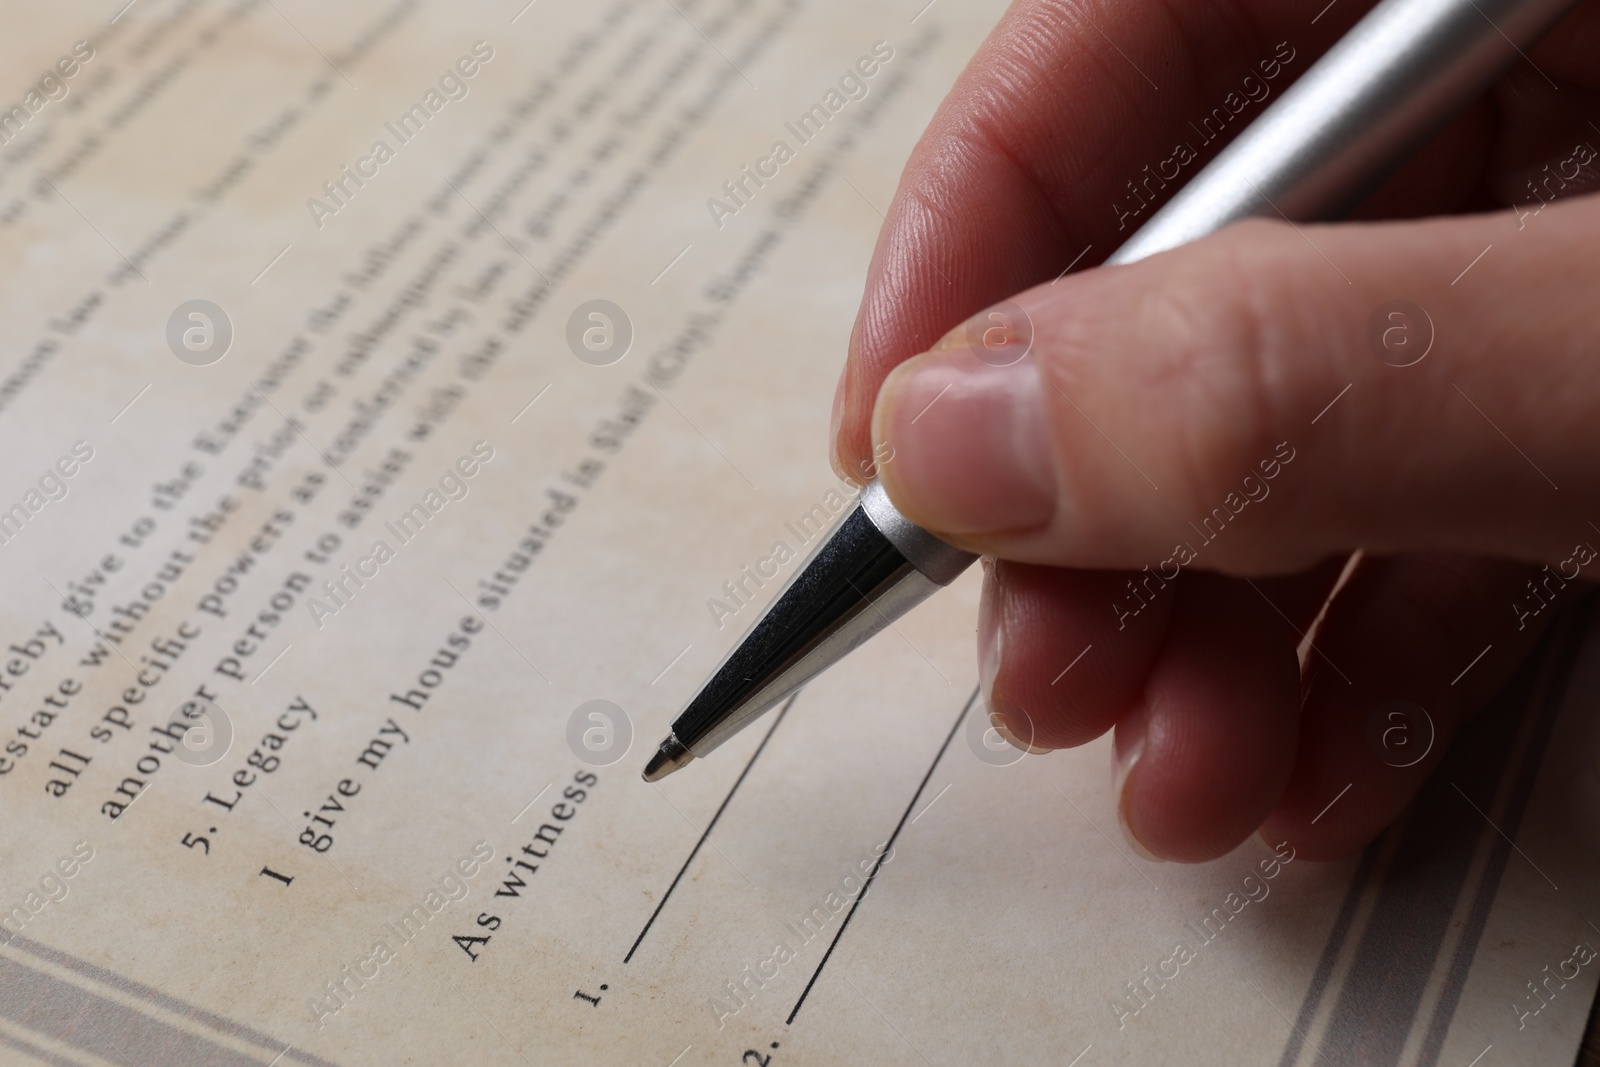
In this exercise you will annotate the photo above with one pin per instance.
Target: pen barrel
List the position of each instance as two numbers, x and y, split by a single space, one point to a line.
1363 109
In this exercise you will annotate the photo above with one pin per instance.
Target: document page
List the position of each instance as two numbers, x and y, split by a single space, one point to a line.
405 405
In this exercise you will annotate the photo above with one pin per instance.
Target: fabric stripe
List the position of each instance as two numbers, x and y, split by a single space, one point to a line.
1510 821
189 1012
1399 946
29 1049
75 1017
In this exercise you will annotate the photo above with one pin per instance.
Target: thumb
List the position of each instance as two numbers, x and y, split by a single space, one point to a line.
1258 400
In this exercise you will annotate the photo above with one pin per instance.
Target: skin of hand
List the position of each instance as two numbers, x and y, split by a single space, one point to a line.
1206 455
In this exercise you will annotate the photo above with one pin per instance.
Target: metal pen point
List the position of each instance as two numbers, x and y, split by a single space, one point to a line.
1333 137
873 568
668 758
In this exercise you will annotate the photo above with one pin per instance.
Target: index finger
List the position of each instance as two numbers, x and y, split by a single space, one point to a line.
1072 117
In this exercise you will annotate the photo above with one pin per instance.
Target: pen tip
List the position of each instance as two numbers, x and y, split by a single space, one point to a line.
668 758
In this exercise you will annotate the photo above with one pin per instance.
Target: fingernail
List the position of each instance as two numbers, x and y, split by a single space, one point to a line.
956 338
1011 723
991 638
1014 724
834 422
971 444
1125 753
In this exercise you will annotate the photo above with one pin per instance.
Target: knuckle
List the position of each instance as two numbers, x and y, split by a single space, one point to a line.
1193 364
1220 357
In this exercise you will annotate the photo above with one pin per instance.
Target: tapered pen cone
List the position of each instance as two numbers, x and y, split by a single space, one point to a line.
853 584
668 758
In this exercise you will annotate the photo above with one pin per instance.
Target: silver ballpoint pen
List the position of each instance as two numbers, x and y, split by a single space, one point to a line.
1350 122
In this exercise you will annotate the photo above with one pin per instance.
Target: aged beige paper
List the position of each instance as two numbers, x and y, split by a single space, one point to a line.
404 405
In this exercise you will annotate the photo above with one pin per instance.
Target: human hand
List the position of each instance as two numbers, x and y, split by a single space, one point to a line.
1175 477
